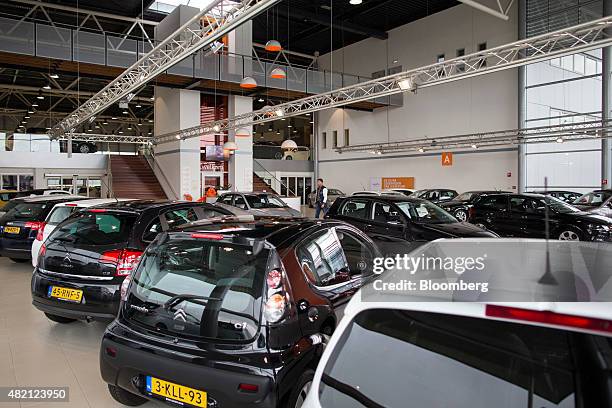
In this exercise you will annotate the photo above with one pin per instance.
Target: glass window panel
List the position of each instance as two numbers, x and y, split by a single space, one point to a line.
26 182
16 38
88 47
579 63
53 42
9 182
567 63
120 52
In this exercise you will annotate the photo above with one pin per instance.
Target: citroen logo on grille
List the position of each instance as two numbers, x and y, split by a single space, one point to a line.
180 315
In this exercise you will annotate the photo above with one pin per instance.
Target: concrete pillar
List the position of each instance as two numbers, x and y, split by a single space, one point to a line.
240 42
177 109
606 105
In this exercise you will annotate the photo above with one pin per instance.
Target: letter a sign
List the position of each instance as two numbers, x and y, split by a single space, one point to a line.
447 159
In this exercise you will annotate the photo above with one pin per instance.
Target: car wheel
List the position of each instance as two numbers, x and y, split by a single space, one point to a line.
289 158
124 397
59 319
298 395
461 215
84 148
18 260
480 225
569 234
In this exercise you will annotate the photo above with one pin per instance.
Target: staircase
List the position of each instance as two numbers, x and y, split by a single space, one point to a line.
260 185
132 177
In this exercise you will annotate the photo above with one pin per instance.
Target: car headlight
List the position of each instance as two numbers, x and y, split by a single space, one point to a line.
598 228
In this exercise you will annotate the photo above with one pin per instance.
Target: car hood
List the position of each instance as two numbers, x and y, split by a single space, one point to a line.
593 216
275 212
458 229
452 203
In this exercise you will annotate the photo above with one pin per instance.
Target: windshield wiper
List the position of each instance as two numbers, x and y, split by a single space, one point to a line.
179 298
350 391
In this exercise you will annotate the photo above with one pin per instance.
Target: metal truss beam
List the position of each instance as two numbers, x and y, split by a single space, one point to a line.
581 38
97 138
203 30
543 134
502 13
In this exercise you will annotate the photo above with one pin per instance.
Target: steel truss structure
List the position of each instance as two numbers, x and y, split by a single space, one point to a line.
99 138
543 134
581 38
203 30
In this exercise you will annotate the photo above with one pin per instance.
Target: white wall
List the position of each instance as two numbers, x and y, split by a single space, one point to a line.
484 103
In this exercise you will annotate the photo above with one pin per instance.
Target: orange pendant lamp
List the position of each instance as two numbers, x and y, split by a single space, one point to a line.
278 73
273 46
248 83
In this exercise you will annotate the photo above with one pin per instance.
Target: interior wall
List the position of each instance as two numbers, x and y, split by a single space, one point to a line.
485 103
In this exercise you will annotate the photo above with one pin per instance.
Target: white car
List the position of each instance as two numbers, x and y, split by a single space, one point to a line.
58 214
404 191
397 350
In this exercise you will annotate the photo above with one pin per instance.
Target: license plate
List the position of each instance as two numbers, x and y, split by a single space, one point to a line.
67 294
176 392
12 230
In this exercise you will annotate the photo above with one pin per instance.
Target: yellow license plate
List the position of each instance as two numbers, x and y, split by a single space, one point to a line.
12 230
176 392
71 295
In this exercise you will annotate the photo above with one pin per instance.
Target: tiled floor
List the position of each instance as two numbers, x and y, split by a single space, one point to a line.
37 352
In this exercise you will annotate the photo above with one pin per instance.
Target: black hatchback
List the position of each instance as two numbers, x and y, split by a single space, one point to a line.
526 215
460 205
399 224
84 261
232 314
23 221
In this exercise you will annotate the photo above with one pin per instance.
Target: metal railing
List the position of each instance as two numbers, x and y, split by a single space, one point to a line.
290 193
149 156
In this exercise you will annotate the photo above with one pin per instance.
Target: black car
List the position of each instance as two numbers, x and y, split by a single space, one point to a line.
23 221
597 202
398 223
232 314
435 195
563 195
524 215
85 259
78 146
460 205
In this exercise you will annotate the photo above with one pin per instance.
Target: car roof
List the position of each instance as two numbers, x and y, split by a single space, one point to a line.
142 205
51 198
91 202
386 197
251 192
275 230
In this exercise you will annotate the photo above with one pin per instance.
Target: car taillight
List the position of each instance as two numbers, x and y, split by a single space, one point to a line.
125 259
276 303
125 286
34 225
552 318
41 232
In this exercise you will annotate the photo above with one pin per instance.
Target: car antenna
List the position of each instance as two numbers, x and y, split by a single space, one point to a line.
548 278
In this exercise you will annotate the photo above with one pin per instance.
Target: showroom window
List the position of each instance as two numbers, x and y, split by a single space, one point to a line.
461 53
20 182
324 140
562 91
335 139
346 137
440 58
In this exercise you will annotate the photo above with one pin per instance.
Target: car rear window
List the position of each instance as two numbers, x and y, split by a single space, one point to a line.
199 289
471 363
26 211
95 228
59 214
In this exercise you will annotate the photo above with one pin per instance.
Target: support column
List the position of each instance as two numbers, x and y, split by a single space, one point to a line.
606 105
240 42
176 109
522 108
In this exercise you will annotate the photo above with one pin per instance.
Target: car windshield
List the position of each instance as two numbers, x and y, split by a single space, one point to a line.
196 288
466 197
59 214
594 199
489 363
426 213
333 191
95 228
10 205
560 206
25 211
264 201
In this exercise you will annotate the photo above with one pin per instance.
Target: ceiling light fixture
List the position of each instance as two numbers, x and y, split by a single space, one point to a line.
421 149
230 146
47 87
260 100
40 96
406 84
289 144
474 146
139 106
355 2
278 73
273 46
248 83
560 140
54 76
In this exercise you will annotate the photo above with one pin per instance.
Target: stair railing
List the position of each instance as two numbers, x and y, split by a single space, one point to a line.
109 177
149 154
290 193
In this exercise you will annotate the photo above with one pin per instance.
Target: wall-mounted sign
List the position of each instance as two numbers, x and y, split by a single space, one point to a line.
216 153
509 174
447 159
212 166
397 182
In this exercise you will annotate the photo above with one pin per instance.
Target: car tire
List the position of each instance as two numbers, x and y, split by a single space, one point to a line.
289 158
59 319
300 390
570 234
125 397
19 260
461 215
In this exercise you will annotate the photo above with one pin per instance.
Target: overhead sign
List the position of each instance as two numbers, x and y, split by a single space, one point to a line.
397 182
447 159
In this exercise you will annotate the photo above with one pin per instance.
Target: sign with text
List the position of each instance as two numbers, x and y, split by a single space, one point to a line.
447 159
397 182
211 166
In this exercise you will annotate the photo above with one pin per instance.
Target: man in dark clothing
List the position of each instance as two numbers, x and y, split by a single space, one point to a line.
321 199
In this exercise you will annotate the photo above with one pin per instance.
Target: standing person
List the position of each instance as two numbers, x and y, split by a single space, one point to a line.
321 202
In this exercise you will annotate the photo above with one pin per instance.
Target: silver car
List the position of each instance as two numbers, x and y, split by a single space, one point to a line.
259 204
332 194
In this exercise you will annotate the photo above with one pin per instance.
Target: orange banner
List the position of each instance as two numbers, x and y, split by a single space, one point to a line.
397 182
